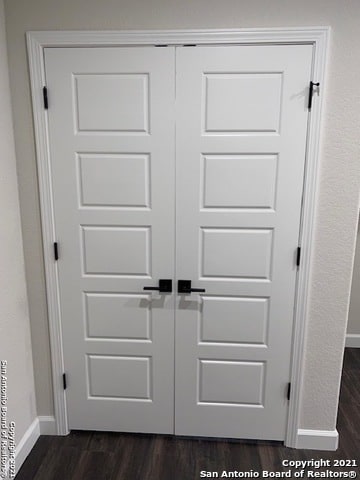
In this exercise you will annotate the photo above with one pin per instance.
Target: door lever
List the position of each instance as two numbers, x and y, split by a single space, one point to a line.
184 286
165 286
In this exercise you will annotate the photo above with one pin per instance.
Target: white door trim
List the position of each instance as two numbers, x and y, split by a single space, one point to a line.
37 41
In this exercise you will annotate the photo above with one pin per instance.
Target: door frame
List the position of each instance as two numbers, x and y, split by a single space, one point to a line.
316 36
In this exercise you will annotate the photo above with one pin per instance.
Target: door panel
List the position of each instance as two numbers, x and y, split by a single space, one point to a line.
111 126
252 329
238 172
225 253
241 132
135 322
121 181
223 382
241 102
128 92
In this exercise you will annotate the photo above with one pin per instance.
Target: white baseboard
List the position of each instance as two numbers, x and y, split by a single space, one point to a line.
317 439
353 340
47 425
26 444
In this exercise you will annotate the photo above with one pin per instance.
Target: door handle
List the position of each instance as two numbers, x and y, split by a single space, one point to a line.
184 286
165 286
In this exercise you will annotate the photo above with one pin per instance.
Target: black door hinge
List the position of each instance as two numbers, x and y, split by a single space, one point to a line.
46 100
64 381
288 391
56 251
311 92
160 45
298 256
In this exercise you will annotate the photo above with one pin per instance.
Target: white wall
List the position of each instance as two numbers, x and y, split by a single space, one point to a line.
15 345
340 166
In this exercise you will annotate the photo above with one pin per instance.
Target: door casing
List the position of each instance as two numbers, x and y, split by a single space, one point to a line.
318 37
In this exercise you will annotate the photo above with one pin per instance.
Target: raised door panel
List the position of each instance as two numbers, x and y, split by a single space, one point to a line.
250 181
244 320
223 382
116 103
107 251
130 377
243 102
224 253
110 180
123 316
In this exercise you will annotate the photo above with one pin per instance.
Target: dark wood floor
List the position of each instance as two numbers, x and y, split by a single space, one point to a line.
115 456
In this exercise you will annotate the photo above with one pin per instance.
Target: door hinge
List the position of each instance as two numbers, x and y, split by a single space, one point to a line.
288 393
161 45
56 251
190 45
298 256
311 92
45 97
64 381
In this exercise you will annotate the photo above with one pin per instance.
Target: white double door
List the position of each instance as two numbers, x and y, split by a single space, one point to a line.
178 163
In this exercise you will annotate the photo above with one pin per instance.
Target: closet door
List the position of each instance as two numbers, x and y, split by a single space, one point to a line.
111 128
240 150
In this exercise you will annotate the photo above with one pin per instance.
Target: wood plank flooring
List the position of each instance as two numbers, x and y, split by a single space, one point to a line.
116 456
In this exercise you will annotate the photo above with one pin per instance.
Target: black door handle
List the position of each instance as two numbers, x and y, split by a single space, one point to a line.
184 286
165 286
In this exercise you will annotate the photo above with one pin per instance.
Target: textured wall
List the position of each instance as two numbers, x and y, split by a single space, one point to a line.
339 176
15 345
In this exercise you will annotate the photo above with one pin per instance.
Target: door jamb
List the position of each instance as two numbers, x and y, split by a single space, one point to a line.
38 41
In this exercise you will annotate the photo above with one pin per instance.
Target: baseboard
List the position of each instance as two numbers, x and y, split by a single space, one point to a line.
317 439
47 425
352 340
26 444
